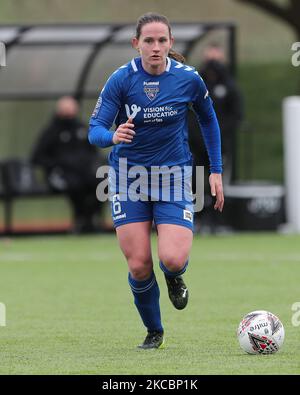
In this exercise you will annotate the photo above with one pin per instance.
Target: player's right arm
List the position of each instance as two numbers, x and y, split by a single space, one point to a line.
105 113
124 133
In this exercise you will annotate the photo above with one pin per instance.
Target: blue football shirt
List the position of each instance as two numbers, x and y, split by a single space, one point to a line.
159 105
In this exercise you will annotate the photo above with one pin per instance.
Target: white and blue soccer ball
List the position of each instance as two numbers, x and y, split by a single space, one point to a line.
260 332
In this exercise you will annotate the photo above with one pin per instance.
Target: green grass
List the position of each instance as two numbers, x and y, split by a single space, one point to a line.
69 308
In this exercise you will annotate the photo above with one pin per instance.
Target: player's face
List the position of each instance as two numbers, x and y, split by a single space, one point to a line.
153 45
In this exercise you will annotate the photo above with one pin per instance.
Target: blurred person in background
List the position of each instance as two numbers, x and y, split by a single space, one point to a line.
229 107
228 104
70 163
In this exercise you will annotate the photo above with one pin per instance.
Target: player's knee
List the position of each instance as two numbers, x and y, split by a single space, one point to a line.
140 269
173 262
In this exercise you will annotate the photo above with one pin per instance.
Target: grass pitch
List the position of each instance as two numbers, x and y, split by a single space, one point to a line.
69 308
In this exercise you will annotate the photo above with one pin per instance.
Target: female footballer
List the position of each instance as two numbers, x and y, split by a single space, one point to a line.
148 100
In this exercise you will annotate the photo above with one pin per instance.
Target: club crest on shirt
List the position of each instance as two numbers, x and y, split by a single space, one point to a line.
151 89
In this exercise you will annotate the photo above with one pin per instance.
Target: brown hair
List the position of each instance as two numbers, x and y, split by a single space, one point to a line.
152 17
176 56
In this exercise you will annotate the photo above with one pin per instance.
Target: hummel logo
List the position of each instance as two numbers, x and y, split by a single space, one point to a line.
151 83
184 292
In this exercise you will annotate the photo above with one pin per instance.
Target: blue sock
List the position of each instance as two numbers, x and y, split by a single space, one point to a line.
146 298
168 273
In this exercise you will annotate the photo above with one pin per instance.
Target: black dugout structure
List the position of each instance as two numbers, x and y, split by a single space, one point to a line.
48 61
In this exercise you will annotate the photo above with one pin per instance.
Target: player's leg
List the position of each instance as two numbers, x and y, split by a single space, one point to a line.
174 245
173 216
135 242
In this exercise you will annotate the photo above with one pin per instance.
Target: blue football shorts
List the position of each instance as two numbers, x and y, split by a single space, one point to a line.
164 197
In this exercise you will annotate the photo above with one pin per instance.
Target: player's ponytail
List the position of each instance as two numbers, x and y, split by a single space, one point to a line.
176 56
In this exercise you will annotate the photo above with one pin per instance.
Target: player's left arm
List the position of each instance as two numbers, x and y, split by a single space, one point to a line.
216 190
202 106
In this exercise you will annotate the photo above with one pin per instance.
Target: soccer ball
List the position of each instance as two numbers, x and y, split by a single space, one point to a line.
260 332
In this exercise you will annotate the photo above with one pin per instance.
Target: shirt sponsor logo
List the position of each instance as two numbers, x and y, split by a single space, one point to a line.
134 110
157 114
151 114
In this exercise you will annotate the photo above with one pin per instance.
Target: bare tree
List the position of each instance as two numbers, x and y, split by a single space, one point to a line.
289 13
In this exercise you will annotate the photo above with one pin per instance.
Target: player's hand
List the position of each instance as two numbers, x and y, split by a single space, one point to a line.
124 133
216 188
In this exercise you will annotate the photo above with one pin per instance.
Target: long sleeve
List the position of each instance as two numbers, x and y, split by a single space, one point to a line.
105 112
203 108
